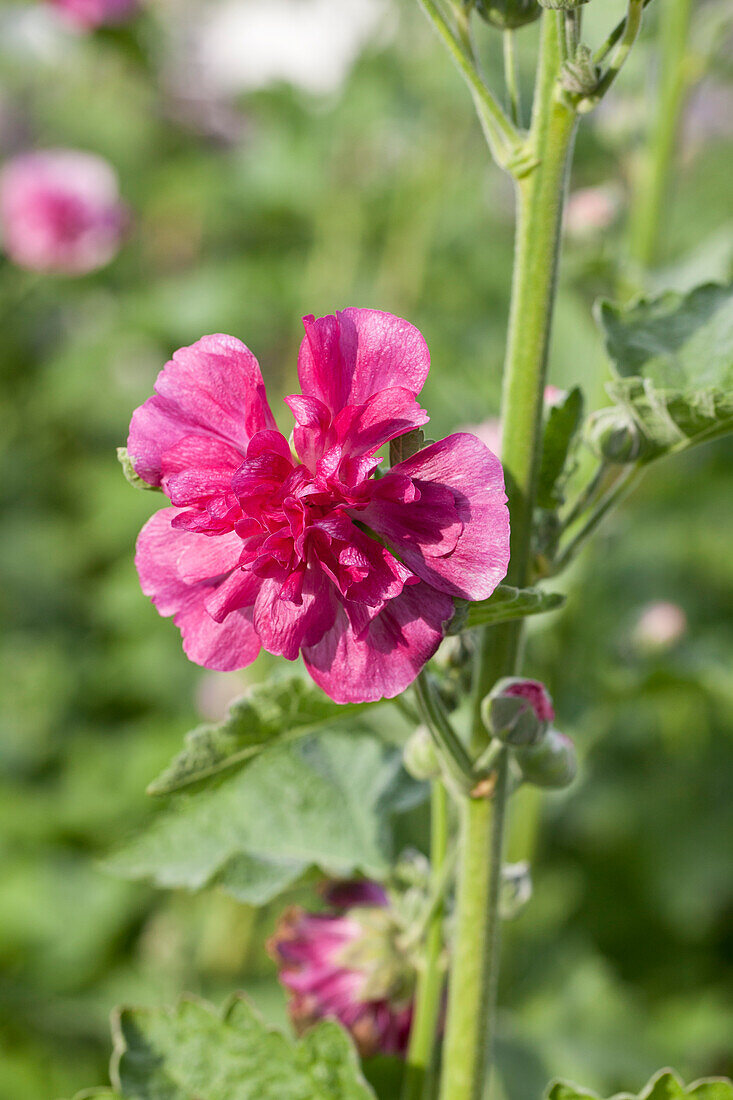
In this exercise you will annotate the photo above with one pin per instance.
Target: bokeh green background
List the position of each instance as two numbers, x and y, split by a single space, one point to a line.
246 215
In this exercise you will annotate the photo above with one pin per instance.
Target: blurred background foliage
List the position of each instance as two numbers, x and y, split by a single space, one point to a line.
342 168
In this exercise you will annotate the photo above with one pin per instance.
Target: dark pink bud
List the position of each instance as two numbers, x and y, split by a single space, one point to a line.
518 711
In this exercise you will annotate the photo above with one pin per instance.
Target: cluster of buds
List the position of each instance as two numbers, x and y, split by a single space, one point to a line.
519 713
349 963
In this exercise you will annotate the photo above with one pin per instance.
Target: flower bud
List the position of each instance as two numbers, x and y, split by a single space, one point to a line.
516 889
551 764
615 436
420 756
517 711
562 5
508 14
348 964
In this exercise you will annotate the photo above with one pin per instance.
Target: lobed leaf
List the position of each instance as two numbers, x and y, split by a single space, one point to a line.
561 430
673 360
504 604
194 1052
324 802
268 713
665 1085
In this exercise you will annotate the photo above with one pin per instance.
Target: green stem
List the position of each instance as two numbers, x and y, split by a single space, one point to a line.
502 136
511 76
428 994
540 194
452 749
651 189
631 29
620 488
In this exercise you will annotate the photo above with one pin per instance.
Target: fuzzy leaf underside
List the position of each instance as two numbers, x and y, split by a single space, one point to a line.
665 1085
673 361
561 429
194 1052
282 709
505 603
323 801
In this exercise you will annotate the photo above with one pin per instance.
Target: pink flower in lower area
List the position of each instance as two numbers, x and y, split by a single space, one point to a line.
60 211
345 964
306 551
88 14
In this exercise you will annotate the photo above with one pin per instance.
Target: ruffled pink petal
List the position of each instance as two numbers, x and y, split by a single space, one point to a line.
198 467
285 625
160 548
363 429
421 533
383 660
212 388
345 359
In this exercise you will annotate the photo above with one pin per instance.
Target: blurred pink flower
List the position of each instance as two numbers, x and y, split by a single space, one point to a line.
346 965
660 625
60 211
88 14
590 210
266 548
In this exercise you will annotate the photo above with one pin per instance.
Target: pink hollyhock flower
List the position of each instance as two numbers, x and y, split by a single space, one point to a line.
60 211
310 553
88 14
345 964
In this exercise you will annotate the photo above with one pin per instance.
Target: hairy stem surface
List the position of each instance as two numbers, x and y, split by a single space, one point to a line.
421 1051
540 196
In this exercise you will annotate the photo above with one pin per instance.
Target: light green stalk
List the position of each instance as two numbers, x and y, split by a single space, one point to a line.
651 188
540 196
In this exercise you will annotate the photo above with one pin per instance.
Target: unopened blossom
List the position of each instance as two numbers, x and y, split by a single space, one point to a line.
346 964
518 711
60 211
88 14
305 550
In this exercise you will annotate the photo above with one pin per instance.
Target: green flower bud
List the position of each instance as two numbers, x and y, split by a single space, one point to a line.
517 711
508 14
615 436
420 756
562 5
551 764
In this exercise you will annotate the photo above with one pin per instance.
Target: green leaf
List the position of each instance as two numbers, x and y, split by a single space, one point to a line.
673 360
322 801
277 710
505 603
560 433
130 474
665 1085
193 1052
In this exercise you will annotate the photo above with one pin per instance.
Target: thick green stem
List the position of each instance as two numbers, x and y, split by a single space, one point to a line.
654 174
421 1051
474 976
